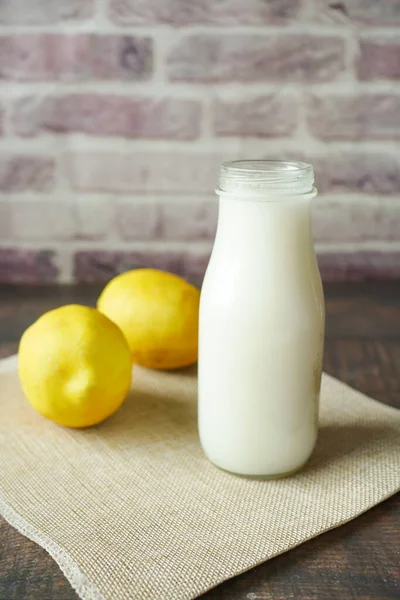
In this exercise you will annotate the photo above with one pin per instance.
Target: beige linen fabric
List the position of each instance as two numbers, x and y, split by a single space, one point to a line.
131 509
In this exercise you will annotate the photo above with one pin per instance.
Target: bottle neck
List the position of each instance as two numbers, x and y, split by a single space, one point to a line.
278 224
265 241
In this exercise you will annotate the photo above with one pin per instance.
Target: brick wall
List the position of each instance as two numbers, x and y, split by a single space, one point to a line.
115 115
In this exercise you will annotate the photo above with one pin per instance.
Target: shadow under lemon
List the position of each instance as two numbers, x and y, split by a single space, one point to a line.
160 407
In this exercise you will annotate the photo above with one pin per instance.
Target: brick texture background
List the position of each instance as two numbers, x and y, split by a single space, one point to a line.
115 116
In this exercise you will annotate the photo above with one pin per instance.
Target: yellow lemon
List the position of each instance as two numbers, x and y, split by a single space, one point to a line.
74 366
158 313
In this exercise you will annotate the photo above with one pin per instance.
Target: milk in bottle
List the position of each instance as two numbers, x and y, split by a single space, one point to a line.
261 323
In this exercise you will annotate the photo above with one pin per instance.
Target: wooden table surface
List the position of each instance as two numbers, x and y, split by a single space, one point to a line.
360 560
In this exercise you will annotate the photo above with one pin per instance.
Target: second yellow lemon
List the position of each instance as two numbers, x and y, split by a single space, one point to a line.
158 313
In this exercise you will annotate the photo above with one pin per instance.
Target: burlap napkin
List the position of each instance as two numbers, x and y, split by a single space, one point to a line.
131 509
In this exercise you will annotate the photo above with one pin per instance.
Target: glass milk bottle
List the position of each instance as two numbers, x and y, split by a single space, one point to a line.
261 323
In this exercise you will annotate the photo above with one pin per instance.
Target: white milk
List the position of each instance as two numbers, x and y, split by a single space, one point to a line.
261 333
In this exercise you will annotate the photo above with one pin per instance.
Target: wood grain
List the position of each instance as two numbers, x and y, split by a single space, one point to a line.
360 560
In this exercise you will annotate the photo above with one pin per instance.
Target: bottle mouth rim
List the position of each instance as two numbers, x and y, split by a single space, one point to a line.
255 177
265 166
